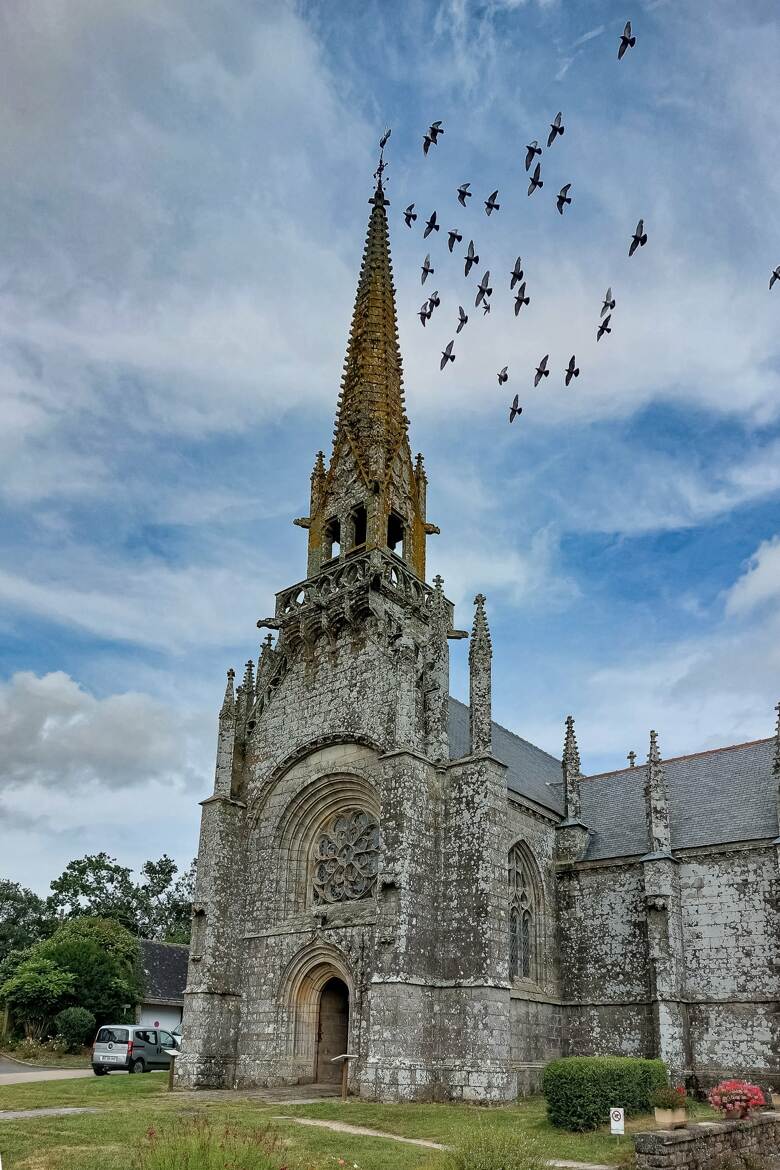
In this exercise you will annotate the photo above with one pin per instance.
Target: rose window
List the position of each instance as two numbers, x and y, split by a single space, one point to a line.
346 857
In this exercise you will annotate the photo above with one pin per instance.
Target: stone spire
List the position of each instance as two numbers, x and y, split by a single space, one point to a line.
480 657
372 494
657 800
371 403
571 772
776 766
228 708
223 774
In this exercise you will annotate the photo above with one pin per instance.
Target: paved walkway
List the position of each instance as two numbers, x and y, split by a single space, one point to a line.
22 1075
21 1114
362 1131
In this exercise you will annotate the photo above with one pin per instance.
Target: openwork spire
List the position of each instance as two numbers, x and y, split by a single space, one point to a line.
371 404
657 800
571 772
372 496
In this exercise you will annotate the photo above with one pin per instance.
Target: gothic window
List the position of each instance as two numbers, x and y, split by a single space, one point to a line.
332 536
346 857
395 534
523 918
359 525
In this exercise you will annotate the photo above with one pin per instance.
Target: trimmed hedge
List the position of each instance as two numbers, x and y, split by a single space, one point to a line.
581 1090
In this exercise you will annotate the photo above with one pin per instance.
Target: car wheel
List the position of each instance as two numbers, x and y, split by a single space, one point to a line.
98 1071
137 1066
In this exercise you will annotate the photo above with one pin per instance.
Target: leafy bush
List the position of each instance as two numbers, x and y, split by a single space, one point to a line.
76 1026
35 992
199 1145
580 1090
667 1097
486 1149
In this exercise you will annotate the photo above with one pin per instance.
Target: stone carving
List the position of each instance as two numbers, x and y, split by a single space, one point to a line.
346 857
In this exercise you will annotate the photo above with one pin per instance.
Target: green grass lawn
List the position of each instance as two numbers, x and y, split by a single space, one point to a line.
128 1106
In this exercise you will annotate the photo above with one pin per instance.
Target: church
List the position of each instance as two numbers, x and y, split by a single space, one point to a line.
384 871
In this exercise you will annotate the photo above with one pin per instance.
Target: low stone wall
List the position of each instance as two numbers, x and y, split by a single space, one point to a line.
702 1145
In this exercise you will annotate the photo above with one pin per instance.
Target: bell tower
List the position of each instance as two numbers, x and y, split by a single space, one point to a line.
372 496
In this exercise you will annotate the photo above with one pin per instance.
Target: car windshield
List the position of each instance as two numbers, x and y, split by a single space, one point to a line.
112 1035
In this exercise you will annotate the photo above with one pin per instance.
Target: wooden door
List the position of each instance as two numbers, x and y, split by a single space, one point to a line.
333 1029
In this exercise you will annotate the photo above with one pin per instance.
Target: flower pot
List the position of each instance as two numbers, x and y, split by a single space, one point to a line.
736 1113
671 1118
775 1100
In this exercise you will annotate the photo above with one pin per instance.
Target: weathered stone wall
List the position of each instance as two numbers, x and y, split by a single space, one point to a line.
604 962
677 958
709 1144
732 962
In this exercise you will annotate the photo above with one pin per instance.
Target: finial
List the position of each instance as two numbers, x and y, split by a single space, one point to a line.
776 767
248 684
631 757
228 703
438 582
319 465
480 631
571 753
654 755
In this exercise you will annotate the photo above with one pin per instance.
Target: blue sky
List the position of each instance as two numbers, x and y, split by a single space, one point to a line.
183 206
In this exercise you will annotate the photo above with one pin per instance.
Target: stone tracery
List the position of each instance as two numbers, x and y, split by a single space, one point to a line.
346 857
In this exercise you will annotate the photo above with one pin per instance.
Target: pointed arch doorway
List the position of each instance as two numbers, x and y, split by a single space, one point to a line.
332 1029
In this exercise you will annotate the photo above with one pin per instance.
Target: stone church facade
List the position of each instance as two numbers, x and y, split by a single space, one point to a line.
384 871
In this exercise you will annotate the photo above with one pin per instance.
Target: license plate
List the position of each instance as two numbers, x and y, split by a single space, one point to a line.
111 1058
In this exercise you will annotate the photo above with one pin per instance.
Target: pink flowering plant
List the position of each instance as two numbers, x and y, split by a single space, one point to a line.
736 1098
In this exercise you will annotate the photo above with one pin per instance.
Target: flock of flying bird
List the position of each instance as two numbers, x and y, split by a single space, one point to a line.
484 289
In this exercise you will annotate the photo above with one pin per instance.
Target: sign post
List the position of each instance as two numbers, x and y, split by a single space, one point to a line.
617 1123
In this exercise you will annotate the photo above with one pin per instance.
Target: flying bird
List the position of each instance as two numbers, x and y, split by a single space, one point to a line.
462 318
425 313
541 370
464 193
532 149
432 137
502 375
535 180
384 138
563 198
447 355
572 370
431 226
609 302
556 127
410 215
521 299
426 269
627 40
434 300
775 276
639 238
490 203
482 289
453 237
604 327
516 273
515 408
471 258
485 307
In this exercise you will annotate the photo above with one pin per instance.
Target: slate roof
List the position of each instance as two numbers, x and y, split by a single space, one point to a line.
715 797
165 971
532 773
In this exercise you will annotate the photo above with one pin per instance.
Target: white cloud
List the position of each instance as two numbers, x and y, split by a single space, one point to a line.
760 583
56 735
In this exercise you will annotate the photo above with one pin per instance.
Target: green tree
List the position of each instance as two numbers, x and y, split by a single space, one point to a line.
97 884
102 958
37 990
76 1026
24 918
